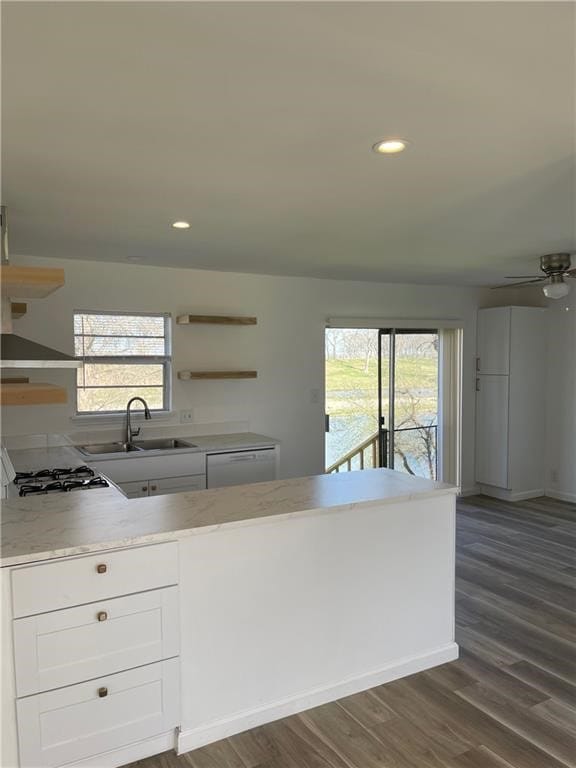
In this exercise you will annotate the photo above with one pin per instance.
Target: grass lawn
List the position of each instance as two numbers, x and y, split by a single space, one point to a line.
352 387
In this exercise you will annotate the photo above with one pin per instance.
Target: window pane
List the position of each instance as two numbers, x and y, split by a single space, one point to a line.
94 346
120 374
118 325
132 340
116 398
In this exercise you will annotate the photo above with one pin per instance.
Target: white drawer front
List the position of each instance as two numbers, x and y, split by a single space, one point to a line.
74 723
65 647
73 581
177 484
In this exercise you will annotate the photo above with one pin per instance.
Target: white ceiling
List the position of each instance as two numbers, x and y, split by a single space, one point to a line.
254 121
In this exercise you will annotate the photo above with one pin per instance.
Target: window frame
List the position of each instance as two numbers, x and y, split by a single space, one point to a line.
164 360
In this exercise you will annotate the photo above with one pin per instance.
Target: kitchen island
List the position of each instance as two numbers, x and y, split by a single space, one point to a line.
270 598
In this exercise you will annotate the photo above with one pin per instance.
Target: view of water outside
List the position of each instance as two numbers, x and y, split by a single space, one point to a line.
352 397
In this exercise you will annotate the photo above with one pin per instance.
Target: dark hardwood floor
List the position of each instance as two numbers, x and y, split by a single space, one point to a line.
508 702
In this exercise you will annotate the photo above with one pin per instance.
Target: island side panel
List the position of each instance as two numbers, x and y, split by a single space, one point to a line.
290 613
9 740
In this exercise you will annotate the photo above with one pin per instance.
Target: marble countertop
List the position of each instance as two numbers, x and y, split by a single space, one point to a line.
68 456
44 527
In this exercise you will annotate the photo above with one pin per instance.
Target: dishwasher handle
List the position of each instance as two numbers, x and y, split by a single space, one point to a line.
243 457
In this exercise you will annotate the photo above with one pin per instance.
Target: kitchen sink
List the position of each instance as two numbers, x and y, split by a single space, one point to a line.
93 450
169 444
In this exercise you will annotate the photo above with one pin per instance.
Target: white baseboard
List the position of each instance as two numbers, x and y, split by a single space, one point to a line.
561 495
242 721
469 491
505 495
130 753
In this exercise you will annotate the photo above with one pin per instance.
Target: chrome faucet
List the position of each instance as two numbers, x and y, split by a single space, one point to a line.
130 432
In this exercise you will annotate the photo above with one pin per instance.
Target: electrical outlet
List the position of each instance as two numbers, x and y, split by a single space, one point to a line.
554 475
186 417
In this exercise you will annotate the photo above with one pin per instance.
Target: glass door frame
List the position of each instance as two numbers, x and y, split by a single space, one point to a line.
386 432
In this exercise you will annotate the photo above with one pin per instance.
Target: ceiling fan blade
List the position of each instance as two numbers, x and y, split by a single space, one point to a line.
570 273
518 285
520 277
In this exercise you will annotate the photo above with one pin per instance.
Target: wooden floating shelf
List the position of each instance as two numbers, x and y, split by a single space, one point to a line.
14 380
32 394
187 375
30 282
19 309
215 320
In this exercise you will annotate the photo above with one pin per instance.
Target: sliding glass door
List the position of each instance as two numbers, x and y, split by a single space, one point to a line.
382 403
408 400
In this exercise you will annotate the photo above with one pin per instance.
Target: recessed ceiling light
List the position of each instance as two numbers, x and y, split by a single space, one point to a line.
181 225
390 146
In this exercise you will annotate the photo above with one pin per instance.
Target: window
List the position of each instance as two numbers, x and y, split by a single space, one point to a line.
123 355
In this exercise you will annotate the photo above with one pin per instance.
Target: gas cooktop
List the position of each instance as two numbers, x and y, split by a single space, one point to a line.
58 480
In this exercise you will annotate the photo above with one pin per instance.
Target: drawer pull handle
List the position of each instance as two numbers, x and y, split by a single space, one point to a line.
153 487
102 692
101 568
102 616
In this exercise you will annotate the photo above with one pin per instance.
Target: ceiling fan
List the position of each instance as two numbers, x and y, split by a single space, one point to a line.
556 267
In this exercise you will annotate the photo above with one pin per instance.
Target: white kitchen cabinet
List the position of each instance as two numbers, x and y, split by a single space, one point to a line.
510 402
493 341
492 430
94 668
107 713
240 467
132 468
163 485
76 580
64 647
134 490
176 484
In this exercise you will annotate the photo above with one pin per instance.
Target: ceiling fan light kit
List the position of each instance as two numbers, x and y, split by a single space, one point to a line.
556 267
557 288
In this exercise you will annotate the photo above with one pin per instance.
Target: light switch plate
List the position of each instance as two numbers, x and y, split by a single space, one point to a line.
186 417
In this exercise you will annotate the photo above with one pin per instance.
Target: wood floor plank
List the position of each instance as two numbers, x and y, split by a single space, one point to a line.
558 713
349 739
525 722
471 669
311 740
560 621
420 715
475 577
509 701
519 564
258 746
467 719
482 758
221 754
555 687
299 751
367 709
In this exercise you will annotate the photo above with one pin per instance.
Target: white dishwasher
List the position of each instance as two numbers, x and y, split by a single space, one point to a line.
240 467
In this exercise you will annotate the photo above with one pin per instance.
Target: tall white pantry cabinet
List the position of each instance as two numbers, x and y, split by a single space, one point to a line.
510 402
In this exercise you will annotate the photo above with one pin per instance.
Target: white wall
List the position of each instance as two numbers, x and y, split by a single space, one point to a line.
561 399
286 347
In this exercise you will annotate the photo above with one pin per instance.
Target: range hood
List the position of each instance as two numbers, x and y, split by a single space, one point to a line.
16 351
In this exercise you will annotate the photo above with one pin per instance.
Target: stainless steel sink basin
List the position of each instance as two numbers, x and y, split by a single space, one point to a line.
168 444
93 450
